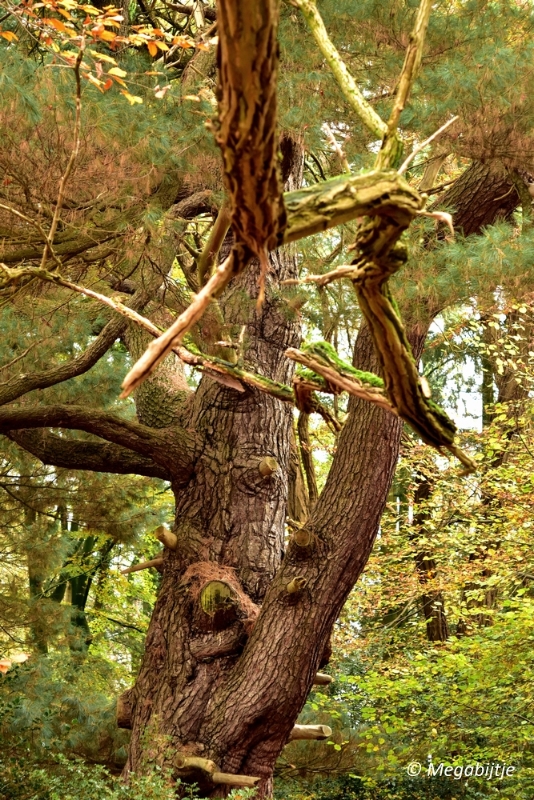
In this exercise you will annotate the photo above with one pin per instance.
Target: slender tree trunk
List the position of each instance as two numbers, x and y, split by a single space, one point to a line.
433 602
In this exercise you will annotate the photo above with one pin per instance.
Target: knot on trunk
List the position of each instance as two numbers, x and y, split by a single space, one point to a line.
219 599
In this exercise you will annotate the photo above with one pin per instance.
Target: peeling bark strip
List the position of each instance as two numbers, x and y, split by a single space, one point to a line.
247 136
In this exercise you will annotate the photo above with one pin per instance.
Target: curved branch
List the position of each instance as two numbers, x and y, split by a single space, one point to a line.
22 384
70 247
172 448
56 451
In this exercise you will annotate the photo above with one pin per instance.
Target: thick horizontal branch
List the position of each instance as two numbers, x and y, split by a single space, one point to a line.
171 448
344 383
73 246
324 205
58 451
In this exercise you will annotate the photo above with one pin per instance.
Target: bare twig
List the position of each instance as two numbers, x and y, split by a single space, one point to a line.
439 216
422 145
18 358
337 148
343 271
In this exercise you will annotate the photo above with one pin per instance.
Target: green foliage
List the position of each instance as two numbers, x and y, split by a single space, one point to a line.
66 779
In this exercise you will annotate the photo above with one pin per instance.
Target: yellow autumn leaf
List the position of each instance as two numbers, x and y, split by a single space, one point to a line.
102 56
91 78
132 98
118 72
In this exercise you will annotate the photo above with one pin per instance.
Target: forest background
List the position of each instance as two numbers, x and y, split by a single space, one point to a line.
431 655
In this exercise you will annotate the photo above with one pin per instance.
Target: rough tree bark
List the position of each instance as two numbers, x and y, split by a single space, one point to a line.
241 622
483 194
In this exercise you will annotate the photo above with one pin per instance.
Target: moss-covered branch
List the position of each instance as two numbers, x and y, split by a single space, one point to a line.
330 203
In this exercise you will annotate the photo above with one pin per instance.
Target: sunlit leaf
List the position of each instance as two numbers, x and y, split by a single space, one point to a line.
102 56
132 98
9 35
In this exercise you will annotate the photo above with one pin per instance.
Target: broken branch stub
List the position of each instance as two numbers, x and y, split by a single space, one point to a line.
322 679
303 537
193 764
296 585
166 537
315 732
206 773
154 562
225 779
268 466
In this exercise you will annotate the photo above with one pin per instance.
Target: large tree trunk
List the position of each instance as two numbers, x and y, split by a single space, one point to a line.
482 195
211 684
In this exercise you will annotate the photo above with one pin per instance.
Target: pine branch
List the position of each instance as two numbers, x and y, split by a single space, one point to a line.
174 448
62 452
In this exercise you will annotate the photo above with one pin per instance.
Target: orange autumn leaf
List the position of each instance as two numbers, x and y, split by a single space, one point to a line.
120 81
152 48
101 33
58 25
9 35
182 41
